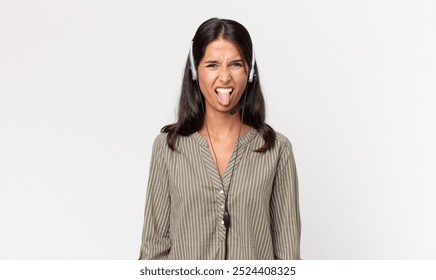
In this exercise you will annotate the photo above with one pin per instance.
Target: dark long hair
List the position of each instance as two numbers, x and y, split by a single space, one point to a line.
190 111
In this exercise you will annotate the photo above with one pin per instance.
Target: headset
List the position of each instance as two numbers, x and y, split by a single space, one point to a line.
194 71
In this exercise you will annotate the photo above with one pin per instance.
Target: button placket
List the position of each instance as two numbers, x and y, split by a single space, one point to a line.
220 209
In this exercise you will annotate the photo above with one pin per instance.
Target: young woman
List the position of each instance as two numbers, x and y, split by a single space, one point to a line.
223 184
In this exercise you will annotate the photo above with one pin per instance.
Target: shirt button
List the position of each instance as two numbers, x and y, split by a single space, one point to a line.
222 206
221 191
222 222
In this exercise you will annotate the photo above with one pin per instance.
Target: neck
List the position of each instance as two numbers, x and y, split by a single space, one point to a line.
221 125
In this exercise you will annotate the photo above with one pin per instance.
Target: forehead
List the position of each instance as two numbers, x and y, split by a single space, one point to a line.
222 48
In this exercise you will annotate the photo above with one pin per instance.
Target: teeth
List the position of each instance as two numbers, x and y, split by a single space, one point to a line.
224 90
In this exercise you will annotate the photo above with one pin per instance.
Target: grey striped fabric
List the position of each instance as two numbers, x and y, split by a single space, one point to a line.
185 202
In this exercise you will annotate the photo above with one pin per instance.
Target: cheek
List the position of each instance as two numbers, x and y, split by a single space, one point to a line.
242 79
204 87
205 81
242 83
201 80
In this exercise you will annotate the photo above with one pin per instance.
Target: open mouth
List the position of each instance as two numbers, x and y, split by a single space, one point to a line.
224 95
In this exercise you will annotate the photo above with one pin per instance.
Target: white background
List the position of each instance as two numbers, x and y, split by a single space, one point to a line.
86 85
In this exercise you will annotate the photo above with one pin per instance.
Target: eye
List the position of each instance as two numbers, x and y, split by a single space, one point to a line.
211 65
237 64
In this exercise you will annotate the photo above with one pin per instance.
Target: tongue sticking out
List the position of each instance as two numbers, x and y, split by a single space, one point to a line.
224 98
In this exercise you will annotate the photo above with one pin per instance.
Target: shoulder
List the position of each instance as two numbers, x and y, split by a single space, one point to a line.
161 138
283 147
160 143
182 142
281 139
282 143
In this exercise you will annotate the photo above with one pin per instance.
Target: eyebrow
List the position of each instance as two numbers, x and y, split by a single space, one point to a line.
216 62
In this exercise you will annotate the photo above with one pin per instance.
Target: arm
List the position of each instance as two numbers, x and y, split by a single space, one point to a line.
155 235
284 208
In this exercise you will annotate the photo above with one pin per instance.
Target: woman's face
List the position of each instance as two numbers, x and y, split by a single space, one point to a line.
222 75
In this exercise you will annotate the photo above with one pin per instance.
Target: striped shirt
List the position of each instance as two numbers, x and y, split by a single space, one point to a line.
185 202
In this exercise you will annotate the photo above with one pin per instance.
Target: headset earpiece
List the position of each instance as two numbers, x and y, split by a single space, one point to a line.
192 64
252 75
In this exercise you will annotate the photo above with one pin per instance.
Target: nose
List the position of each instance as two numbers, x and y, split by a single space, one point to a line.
224 75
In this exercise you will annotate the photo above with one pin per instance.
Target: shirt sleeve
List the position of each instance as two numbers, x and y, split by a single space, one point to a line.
284 208
155 235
